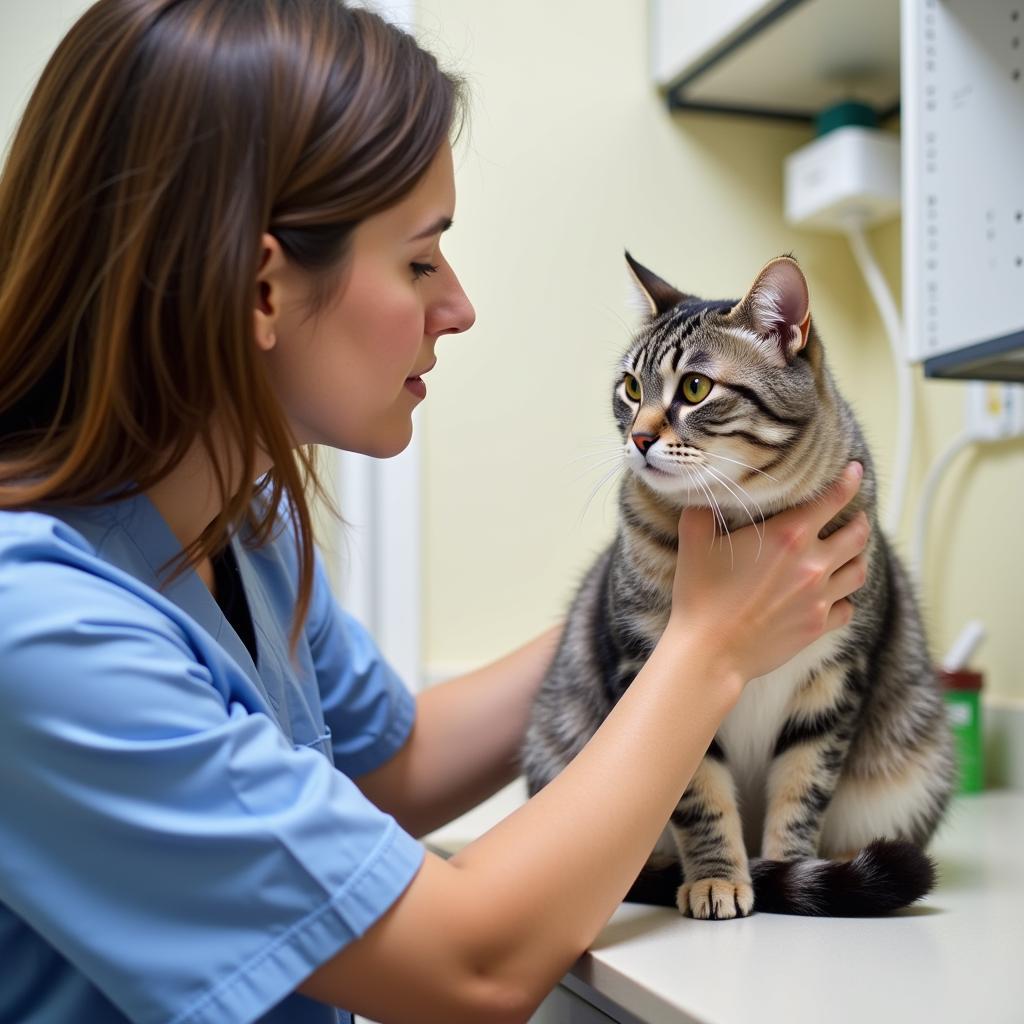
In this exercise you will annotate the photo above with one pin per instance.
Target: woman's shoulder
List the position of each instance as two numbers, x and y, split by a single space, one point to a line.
60 566
27 537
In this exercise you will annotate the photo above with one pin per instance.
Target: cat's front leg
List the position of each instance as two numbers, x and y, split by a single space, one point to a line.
709 836
806 764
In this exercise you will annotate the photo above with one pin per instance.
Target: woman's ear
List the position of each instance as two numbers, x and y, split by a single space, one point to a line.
268 291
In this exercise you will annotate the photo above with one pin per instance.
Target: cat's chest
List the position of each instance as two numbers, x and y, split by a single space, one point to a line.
750 731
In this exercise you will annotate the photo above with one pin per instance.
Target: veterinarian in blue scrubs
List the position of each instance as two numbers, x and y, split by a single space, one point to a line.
220 227
198 784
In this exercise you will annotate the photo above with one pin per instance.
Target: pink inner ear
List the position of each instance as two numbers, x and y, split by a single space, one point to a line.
779 299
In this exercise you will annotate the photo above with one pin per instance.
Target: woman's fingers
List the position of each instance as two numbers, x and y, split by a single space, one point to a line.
839 615
832 501
849 540
848 579
839 494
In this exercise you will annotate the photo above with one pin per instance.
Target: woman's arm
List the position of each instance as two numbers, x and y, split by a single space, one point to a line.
487 934
465 743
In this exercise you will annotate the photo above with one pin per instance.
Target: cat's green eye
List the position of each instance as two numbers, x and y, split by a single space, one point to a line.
632 387
696 387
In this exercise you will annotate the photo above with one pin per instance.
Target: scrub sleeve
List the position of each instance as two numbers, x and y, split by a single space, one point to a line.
181 840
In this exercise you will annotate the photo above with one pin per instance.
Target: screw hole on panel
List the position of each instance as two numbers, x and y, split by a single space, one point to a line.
1016 74
1019 216
1019 261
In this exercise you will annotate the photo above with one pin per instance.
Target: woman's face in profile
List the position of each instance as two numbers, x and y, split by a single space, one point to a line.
347 377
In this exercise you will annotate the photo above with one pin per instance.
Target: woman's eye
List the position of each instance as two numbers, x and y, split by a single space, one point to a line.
422 269
696 387
632 387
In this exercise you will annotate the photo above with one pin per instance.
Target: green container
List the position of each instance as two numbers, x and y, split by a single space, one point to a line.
962 691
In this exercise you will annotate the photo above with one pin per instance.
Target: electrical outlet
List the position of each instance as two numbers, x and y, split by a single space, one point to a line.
995 411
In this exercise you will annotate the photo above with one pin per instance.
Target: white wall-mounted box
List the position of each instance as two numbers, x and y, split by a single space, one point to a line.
850 176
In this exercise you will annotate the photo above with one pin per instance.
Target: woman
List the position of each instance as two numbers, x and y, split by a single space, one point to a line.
220 228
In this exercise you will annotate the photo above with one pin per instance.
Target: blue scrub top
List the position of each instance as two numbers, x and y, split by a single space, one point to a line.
180 836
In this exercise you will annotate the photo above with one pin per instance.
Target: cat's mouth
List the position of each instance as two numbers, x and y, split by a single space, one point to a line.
668 481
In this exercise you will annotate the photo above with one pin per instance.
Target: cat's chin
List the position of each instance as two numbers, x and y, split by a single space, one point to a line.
663 483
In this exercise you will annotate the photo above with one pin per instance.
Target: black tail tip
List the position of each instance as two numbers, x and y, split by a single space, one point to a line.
908 870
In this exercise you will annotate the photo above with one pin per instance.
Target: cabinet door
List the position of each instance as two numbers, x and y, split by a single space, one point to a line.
565 1007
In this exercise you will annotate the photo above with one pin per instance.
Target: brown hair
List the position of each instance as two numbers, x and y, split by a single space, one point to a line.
162 139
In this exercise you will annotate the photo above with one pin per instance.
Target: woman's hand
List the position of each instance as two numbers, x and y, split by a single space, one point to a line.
757 610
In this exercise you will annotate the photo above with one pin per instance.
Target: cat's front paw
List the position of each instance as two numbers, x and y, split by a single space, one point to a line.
715 899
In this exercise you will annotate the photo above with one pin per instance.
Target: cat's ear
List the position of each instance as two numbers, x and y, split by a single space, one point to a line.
777 307
655 296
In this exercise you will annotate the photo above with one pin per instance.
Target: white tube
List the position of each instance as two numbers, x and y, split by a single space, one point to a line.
964 646
925 502
879 289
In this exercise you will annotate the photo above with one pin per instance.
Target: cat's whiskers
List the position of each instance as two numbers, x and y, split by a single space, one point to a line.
716 511
606 451
603 440
600 483
753 469
613 461
596 457
726 483
600 444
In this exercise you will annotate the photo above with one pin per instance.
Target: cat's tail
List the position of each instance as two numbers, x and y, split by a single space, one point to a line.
886 875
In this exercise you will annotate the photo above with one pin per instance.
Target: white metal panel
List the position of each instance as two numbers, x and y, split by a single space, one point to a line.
379 555
963 130
683 32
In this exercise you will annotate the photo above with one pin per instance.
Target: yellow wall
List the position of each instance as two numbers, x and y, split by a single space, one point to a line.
570 157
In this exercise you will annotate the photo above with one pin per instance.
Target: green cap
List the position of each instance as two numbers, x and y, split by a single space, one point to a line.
840 115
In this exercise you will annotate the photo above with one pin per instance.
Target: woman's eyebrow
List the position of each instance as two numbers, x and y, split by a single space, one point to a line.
439 226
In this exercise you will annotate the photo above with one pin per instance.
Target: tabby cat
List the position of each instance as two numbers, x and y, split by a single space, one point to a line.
844 751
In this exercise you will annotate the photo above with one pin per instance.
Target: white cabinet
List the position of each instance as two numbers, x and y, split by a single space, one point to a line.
785 58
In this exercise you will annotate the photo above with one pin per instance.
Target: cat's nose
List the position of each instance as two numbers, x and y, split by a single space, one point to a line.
644 441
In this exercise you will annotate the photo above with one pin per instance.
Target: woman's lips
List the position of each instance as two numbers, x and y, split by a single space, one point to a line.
416 386
415 383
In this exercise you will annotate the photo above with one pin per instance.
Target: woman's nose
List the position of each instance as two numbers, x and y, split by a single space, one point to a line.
453 313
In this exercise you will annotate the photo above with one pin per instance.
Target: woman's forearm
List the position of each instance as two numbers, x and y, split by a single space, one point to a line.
575 848
465 743
487 934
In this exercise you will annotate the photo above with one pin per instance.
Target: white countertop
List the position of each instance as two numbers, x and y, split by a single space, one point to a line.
957 957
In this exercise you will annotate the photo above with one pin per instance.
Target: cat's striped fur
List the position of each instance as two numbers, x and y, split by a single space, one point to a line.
846 743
